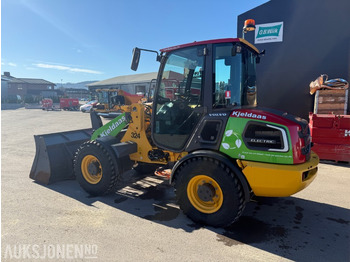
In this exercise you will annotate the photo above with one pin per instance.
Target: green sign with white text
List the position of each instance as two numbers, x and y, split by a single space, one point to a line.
266 33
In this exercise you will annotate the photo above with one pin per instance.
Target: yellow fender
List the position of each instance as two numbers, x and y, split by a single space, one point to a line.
276 180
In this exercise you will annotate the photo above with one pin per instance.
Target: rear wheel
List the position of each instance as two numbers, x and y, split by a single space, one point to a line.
209 192
95 168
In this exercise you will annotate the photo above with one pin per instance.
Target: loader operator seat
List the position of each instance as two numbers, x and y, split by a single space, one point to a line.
175 117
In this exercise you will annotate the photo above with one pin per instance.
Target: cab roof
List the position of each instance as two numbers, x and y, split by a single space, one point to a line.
214 41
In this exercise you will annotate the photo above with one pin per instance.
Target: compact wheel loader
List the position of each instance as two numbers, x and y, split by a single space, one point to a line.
109 101
204 124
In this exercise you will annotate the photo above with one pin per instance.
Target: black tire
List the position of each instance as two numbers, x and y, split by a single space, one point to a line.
95 167
209 192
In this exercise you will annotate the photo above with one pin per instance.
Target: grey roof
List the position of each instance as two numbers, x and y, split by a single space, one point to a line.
16 81
11 79
4 79
137 78
34 81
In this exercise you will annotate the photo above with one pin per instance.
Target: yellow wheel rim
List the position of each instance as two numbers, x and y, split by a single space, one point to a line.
205 194
91 169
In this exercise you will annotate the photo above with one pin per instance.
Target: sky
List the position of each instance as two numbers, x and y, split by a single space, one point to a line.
92 40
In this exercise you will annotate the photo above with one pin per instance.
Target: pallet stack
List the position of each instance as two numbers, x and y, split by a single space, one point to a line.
330 125
331 102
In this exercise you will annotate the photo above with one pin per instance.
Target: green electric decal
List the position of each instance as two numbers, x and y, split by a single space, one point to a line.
233 143
112 128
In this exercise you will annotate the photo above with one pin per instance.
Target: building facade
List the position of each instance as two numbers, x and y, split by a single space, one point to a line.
302 39
79 93
22 88
133 84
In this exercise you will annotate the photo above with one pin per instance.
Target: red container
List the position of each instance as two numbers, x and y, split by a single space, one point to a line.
69 103
331 136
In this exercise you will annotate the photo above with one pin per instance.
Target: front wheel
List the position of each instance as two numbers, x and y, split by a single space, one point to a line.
208 192
96 168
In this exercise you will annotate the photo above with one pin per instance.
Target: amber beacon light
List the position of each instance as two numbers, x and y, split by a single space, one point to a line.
249 25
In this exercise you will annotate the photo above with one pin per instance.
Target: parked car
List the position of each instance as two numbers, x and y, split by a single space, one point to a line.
88 106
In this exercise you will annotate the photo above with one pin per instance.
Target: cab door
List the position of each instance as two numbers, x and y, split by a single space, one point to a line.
178 105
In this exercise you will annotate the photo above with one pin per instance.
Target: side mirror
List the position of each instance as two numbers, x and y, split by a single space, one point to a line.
136 52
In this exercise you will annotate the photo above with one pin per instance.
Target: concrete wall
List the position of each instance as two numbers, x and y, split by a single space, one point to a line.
316 40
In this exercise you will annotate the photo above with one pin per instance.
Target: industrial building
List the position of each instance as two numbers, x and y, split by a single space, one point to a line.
302 39
133 84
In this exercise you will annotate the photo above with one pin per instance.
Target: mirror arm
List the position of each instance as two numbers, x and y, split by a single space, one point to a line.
153 51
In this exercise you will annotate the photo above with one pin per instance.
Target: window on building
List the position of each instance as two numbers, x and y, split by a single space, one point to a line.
140 89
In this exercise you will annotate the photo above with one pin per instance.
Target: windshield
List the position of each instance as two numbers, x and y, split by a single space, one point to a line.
235 79
104 96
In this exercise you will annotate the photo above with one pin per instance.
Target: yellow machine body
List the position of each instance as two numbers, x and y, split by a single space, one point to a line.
276 180
138 132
